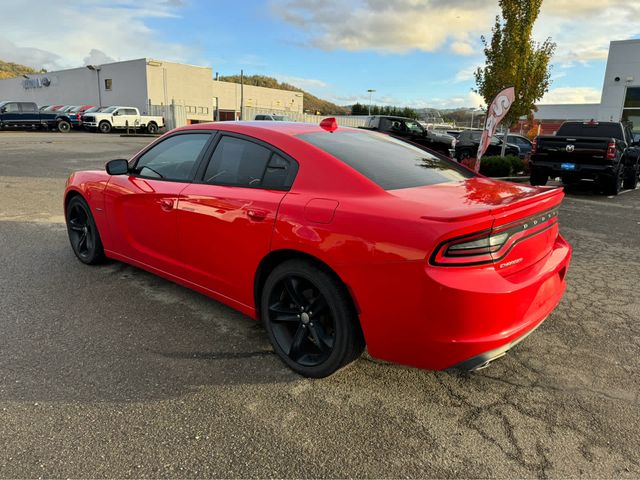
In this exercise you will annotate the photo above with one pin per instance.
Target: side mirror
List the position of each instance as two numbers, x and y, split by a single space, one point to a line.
3 110
117 167
116 113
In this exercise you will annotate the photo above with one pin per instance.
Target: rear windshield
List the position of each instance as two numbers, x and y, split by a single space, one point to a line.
388 162
609 130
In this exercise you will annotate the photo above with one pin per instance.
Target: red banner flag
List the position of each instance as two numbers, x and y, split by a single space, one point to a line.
495 113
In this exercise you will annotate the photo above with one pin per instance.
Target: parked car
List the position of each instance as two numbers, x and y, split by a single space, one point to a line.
120 118
523 143
603 151
469 140
27 115
75 114
272 117
412 130
334 237
43 107
53 108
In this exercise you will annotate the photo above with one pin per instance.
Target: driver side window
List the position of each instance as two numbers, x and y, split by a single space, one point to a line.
173 158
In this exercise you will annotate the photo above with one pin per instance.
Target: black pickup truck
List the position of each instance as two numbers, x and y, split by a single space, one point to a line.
601 151
409 129
27 115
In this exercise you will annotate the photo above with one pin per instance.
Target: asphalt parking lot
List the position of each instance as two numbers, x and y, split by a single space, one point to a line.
112 372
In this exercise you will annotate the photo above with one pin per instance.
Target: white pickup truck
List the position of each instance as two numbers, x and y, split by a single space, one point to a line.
121 118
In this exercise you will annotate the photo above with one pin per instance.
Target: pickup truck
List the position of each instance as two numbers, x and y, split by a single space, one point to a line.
27 115
121 118
601 151
409 129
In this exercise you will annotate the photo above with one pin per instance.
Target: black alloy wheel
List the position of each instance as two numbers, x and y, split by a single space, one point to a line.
152 128
310 320
104 127
64 126
83 233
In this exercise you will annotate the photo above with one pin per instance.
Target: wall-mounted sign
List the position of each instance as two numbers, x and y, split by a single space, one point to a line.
38 82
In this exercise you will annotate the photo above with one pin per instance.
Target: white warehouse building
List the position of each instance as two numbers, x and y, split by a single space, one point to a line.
620 99
187 92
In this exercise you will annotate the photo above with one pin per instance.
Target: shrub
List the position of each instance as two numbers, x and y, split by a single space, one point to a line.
518 165
496 166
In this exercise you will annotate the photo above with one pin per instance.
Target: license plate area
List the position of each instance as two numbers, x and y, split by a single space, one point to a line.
568 166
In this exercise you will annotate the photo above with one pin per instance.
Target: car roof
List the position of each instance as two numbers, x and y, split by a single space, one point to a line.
286 128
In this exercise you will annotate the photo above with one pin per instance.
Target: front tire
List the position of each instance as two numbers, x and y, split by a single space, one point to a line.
64 126
104 127
310 319
83 233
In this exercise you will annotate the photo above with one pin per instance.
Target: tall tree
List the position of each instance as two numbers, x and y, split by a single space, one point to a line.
513 58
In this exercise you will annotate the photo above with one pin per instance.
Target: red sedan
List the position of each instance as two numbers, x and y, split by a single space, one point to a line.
336 238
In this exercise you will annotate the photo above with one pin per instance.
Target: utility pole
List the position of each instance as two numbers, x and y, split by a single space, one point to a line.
96 68
241 94
370 92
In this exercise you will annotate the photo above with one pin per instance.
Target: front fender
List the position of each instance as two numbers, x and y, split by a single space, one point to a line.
90 185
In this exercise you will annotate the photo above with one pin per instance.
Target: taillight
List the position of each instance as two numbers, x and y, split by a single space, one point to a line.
492 245
611 151
534 146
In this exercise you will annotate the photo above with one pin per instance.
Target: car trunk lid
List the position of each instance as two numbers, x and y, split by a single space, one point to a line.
526 216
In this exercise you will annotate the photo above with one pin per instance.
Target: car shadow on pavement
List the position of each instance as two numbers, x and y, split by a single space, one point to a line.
114 332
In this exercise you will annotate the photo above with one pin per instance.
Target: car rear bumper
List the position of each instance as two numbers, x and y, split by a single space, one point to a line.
453 317
555 168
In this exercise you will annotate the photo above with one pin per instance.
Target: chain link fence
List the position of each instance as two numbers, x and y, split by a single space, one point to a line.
176 116
343 120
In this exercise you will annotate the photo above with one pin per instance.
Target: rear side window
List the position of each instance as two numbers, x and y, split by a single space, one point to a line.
29 108
388 162
243 163
609 130
173 158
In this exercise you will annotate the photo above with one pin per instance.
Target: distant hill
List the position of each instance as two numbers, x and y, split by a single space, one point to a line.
11 70
312 103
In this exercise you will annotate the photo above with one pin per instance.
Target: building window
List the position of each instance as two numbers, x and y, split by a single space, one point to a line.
203 110
631 112
108 83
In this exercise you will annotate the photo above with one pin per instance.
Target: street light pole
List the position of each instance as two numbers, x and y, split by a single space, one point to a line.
96 68
371 90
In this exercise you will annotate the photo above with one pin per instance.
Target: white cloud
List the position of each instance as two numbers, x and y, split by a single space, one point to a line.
387 26
89 30
466 74
97 57
581 29
571 95
300 82
462 48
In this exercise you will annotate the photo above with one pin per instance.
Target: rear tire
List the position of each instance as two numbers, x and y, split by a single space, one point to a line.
538 178
83 232
631 177
64 126
613 184
310 319
152 128
104 127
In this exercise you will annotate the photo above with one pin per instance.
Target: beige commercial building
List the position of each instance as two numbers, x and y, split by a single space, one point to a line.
183 93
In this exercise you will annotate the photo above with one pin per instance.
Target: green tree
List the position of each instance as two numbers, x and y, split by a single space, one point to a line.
513 58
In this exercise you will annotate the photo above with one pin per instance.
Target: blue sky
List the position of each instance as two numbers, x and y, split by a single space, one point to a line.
412 52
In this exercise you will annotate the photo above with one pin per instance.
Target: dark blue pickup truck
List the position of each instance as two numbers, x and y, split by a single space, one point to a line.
27 115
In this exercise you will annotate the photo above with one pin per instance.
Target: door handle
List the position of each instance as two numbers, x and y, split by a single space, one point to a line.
256 214
166 204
